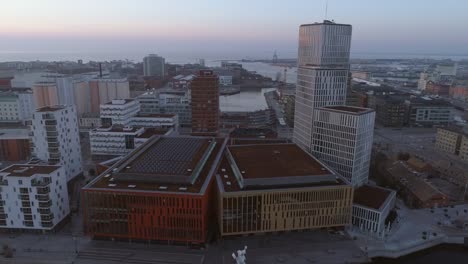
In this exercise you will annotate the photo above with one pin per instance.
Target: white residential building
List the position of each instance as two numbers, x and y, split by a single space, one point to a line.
119 111
33 197
56 138
118 140
166 121
371 208
322 74
16 106
342 138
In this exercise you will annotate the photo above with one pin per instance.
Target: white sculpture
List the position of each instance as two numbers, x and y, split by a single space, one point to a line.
240 258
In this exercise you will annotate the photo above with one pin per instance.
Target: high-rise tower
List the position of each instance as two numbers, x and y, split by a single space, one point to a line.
205 103
322 75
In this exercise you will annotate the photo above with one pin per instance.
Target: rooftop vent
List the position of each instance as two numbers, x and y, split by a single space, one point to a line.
128 167
182 188
223 169
111 179
107 176
21 170
115 169
112 185
243 172
162 187
189 170
228 183
131 186
276 152
225 176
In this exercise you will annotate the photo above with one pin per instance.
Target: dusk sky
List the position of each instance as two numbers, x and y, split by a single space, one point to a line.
251 28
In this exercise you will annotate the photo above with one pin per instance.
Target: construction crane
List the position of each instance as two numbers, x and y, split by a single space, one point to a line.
275 57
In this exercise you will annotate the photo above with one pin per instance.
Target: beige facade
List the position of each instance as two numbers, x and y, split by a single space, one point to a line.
272 210
464 148
448 141
45 94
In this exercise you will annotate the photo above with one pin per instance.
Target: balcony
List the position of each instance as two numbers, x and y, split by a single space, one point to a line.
47 224
25 204
3 216
51 122
45 204
2 210
48 217
26 210
51 134
23 197
51 129
4 183
53 145
45 211
28 218
43 182
28 223
48 117
3 222
42 198
53 150
43 190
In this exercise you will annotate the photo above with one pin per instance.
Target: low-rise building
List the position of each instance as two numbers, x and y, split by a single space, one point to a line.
416 190
449 139
259 118
371 207
424 111
117 140
33 197
225 80
278 187
162 191
168 102
119 111
90 120
459 92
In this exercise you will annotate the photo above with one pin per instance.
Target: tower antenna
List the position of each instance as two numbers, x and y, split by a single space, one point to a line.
326 10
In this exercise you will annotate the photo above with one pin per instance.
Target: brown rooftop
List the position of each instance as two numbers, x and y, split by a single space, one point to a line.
275 160
149 132
351 109
28 170
108 182
50 108
371 196
155 115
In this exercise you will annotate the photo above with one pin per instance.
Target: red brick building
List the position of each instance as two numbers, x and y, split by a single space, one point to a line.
205 103
5 83
459 92
163 191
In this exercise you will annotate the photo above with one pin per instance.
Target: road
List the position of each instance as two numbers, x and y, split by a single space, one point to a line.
283 131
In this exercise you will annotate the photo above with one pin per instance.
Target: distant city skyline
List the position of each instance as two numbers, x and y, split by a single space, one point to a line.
212 28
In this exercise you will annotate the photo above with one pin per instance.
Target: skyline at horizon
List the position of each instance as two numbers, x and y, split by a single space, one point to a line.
234 28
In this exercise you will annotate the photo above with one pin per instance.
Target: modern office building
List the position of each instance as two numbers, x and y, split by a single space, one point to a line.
162 191
168 102
33 197
464 148
278 187
16 107
259 118
322 74
342 138
154 65
371 208
390 110
118 112
205 103
424 111
56 138
104 90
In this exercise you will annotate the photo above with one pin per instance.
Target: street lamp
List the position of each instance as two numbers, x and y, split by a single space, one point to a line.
75 238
